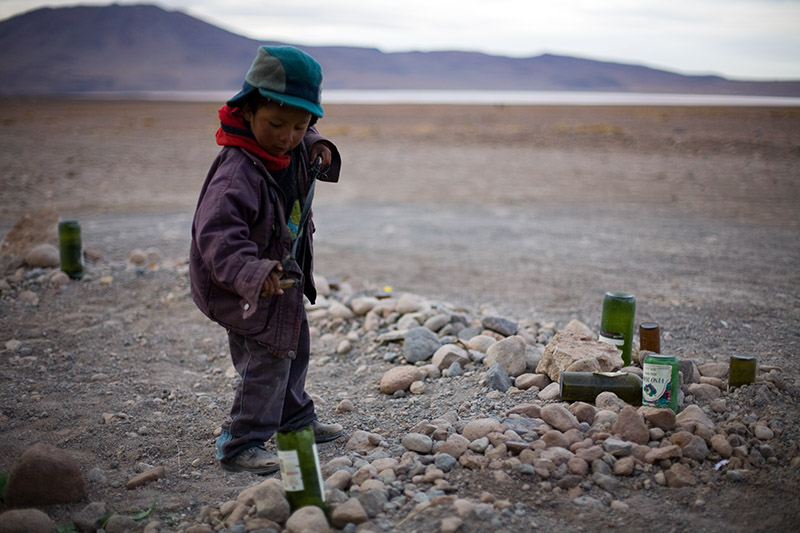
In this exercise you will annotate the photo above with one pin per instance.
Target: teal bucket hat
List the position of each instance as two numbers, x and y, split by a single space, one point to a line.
286 75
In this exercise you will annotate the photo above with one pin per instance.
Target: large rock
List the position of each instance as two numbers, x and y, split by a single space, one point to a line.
510 354
44 475
30 230
572 351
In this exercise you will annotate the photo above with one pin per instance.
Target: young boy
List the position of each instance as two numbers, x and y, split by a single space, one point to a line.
244 228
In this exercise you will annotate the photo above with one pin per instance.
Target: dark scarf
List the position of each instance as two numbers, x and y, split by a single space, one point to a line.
235 132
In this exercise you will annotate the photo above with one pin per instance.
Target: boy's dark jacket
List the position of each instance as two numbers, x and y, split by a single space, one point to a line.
239 234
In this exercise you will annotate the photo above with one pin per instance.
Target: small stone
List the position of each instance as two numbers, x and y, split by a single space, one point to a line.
309 518
449 354
59 279
43 256
692 417
679 475
696 449
343 347
617 448
617 505
714 370
26 520
481 427
350 512
660 418
624 466
555 438
605 481
631 427
451 524
721 445
28 298
583 412
508 353
417 442
363 305
608 401
704 391
339 480
665 452
418 387
559 417
496 378
148 476
345 406
339 310
455 445
762 432
270 502
551 392
399 378
480 343
500 325
137 257
419 344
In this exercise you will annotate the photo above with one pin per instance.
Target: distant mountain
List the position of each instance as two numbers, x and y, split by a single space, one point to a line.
146 48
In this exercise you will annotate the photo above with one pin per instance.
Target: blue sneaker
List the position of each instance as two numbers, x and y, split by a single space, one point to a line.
221 440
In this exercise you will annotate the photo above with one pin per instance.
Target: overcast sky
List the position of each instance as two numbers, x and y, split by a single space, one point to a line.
742 39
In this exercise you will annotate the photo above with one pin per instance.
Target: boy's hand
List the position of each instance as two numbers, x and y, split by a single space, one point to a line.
272 283
321 149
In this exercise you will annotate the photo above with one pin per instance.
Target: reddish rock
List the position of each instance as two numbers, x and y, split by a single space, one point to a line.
44 475
146 477
631 427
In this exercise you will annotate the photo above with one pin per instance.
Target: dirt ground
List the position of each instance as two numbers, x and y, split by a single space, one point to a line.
533 211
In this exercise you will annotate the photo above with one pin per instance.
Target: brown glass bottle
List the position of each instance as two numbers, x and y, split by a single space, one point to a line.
650 337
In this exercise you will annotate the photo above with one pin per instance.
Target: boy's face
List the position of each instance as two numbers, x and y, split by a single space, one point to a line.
278 129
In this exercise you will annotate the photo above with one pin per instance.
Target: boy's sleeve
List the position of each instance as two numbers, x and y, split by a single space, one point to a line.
223 236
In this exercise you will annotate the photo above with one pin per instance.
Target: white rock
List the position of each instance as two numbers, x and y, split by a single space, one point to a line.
43 255
339 310
551 392
363 305
343 347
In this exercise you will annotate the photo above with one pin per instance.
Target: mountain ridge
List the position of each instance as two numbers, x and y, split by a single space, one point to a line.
147 48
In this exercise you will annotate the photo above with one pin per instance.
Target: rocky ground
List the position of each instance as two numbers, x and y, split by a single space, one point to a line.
468 214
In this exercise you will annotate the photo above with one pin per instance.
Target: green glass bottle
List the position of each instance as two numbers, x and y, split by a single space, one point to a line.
585 386
660 381
70 248
300 471
742 370
616 323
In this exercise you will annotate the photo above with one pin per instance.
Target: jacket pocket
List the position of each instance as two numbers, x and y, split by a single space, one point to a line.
275 324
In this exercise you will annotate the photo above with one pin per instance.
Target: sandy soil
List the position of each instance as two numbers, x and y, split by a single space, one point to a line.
534 211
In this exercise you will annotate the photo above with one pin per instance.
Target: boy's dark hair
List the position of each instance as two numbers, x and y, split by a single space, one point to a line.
255 100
